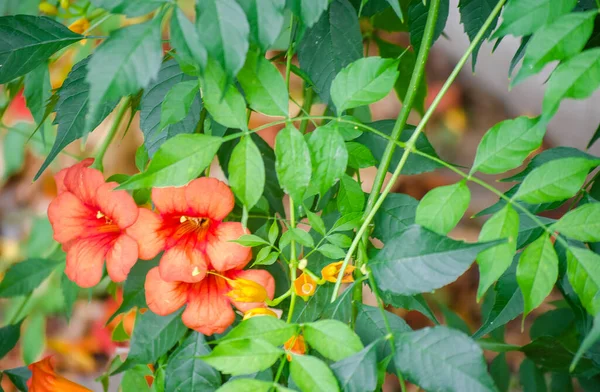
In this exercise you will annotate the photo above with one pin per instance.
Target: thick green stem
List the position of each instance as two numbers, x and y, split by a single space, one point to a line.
306 106
98 161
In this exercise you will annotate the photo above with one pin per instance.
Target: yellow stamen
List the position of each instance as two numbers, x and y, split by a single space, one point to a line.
183 219
99 215
195 271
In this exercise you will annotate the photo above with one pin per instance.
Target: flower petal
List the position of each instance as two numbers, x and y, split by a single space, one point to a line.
83 182
70 218
223 254
170 201
117 205
209 310
164 297
121 257
183 263
209 197
85 259
45 379
145 231
59 177
261 277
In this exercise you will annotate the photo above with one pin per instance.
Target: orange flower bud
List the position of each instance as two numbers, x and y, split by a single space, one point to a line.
48 8
244 290
295 345
64 4
79 26
44 379
259 312
331 272
304 285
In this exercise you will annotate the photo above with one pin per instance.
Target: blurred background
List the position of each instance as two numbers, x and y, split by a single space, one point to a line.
82 344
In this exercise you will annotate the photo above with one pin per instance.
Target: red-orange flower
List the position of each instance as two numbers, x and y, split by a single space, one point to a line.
189 227
209 301
45 379
90 220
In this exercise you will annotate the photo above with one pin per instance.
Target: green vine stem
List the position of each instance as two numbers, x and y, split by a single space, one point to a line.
98 161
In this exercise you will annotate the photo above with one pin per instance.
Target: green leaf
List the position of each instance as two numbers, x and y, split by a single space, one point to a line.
351 197
331 44
178 161
495 261
298 235
537 272
370 326
243 356
556 180
246 385
130 8
359 156
9 336
251 240
152 337
583 270
315 306
293 164
185 40
263 86
177 103
19 377
222 100
582 223
395 214
507 144
576 78
34 338
409 302
247 172
363 82
590 339
13 148
269 329
311 374
134 293
37 91
500 372
331 251
333 339
266 20
531 378
69 290
522 17
72 117
417 18
442 208
316 222
134 379
150 112
473 14
328 157
185 372
442 359
358 372
432 261
25 276
554 355
223 29
28 41
341 308
123 64
559 40
309 12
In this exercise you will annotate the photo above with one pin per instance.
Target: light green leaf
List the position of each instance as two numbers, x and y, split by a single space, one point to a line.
351 197
442 359
298 235
417 18
328 157
37 91
507 144
363 82
134 379
583 270
556 180
269 329
243 356
582 223
28 41
309 12
293 164
266 20
331 251
223 29
25 276
34 338
537 272
246 385
226 106
185 40
495 261
251 240
359 156
130 8
247 172
559 40
311 374
178 161
333 339
442 208
576 78
263 86
358 372
177 103
430 262
522 17
123 64
186 372
316 222
13 149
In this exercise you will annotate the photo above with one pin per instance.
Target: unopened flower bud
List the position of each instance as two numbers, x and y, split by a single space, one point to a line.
244 290
331 272
259 312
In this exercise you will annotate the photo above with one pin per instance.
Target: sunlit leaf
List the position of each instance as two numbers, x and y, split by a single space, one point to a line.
442 208
247 172
522 17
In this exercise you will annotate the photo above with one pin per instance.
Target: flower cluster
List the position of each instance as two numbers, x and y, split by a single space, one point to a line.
200 265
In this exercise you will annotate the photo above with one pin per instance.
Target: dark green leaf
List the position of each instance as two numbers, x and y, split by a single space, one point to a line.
129 7
311 374
186 372
69 290
561 382
341 309
370 326
315 306
442 208
185 40
266 20
522 17
28 41
37 91
9 336
328 157
395 214
134 293
243 356
309 12
590 339
532 379
247 172
500 372
25 276
417 18
177 103
333 339
269 329
409 302
554 323
358 372
293 164
551 354
473 14
263 86
19 377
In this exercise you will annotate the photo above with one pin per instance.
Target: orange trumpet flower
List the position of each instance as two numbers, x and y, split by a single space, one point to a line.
45 379
90 220
189 227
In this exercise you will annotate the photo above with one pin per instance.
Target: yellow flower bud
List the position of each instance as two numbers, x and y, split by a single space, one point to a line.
304 285
80 25
48 8
244 290
295 345
331 272
259 312
64 4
